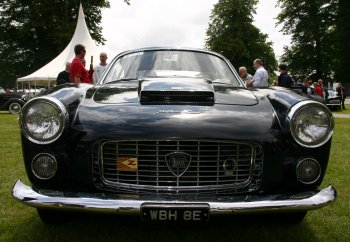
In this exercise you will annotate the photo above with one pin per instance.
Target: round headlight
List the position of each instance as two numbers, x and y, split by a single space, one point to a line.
311 124
308 171
43 120
44 166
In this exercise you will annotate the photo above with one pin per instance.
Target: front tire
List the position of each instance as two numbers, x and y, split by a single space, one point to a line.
52 216
15 108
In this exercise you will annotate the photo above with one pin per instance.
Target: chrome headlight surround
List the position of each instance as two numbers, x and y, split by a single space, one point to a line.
299 118
61 117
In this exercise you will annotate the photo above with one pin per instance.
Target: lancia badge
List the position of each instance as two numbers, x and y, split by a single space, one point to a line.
178 163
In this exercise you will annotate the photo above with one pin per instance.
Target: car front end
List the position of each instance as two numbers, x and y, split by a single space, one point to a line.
174 147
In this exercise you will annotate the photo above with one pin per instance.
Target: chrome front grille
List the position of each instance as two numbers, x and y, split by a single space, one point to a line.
205 172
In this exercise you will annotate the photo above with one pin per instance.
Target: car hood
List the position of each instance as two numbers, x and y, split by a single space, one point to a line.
240 115
132 91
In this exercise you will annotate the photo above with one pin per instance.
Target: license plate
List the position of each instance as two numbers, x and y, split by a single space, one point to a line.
175 212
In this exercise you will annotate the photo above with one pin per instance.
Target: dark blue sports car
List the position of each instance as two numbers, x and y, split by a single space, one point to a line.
174 135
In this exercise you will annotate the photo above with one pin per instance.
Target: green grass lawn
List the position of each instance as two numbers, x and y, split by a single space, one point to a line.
21 223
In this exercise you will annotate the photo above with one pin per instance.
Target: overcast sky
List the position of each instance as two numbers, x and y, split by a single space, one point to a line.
180 23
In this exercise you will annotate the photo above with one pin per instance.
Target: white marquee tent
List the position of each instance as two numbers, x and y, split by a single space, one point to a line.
46 76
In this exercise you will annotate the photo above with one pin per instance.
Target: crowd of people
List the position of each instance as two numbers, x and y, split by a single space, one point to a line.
260 79
261 76
76 72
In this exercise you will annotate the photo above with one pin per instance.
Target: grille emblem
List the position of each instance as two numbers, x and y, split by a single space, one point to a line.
229 167
178 163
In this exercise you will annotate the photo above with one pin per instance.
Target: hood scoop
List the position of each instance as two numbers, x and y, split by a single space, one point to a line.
176 91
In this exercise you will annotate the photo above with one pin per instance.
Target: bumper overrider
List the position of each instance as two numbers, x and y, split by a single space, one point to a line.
128 204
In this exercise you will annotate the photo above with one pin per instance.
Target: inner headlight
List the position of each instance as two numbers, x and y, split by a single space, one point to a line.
311 124
43 120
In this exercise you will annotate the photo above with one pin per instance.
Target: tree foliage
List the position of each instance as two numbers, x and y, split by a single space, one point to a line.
312 27
342 65
231 32
33 32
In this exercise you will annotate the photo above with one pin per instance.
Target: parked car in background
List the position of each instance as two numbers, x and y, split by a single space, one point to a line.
174 135
12 102
333 101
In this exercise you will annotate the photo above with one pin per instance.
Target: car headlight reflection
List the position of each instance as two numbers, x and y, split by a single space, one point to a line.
43 120
311 124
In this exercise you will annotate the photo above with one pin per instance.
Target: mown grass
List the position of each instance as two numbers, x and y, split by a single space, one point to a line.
21 223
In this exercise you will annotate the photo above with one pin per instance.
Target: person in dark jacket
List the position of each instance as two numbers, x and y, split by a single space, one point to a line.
284 79
341 93
63 76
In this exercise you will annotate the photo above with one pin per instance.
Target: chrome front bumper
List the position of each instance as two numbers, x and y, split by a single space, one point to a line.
129 204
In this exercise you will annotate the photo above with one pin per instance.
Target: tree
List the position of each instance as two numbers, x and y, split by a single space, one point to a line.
231 32
311 25
342 67
33 32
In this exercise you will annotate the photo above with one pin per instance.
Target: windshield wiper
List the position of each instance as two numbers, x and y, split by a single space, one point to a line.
125 79
218 82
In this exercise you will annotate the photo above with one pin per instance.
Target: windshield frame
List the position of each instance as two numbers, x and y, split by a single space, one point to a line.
121 55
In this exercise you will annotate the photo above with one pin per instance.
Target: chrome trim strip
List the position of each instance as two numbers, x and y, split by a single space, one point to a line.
114 204
120 185
54 102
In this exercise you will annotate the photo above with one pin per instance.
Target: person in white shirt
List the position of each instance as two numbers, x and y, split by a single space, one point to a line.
100 68
260 79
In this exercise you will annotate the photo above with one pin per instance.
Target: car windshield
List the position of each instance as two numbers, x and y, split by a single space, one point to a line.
173 63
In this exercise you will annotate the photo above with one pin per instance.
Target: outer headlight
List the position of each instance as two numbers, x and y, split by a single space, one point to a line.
43 120
311 124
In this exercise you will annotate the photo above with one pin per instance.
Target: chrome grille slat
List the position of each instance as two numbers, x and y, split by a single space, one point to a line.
170 175
205 172
111 166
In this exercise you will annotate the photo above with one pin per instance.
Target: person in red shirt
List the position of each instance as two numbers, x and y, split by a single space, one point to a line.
318 89
90 71
78 73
